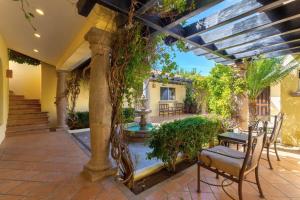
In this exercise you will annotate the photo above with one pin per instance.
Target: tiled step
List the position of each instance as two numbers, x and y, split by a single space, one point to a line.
22 128
24 111
23 116
17 122
24 101
16 97
24 106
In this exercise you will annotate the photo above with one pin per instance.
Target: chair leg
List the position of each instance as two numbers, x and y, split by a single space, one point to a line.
241 189
275 147
268 156
258 183
198 178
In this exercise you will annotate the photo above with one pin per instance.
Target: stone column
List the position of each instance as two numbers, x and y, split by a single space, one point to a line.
61 101
243 110
100 108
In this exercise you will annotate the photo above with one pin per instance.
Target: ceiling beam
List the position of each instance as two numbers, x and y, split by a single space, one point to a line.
261 44
230 14
254 23
283 53
84 7
147 6
266 49
199 6
251 37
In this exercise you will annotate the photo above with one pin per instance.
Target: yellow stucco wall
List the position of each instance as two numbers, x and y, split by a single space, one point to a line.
154 95
26 80
291 108
48 93
82 104
275 99
3 88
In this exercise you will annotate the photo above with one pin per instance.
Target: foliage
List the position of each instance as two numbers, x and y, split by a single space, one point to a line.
75 78
134 53
262 73
171 8
197 91
82 120
186 136
190 103
223 85
128 115
21 58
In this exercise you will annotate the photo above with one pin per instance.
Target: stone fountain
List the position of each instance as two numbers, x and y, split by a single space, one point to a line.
142 112
140 131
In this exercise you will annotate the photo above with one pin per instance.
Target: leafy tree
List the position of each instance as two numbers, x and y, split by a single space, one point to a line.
223 85
262 73
196 93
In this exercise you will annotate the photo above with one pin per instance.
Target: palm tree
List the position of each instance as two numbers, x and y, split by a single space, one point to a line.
262 73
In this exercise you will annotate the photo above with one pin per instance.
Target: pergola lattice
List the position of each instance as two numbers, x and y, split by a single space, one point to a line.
245 29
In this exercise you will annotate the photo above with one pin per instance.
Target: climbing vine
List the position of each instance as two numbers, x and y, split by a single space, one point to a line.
21 58
134 54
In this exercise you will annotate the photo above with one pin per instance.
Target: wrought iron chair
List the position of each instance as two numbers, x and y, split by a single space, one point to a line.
272 138
163 109
232 164
179 108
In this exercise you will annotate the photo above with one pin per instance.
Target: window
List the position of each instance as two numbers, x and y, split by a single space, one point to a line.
167 93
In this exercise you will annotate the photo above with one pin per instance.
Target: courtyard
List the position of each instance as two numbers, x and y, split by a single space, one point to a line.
149 99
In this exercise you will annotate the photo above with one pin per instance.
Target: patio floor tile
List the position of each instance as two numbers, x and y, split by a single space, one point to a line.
49 169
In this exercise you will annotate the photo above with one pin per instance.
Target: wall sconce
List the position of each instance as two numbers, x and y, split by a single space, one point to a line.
9 73
297 93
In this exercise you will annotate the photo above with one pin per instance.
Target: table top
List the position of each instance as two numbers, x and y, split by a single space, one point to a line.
238 137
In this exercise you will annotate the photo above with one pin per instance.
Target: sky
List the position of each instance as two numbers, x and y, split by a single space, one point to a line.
189 61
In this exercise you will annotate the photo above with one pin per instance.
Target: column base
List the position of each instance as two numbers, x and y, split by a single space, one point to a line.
96 175
65 128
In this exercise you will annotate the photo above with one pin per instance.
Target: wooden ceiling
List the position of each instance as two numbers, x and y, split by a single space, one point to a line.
246 29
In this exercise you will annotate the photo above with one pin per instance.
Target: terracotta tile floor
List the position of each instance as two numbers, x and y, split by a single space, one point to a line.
48 166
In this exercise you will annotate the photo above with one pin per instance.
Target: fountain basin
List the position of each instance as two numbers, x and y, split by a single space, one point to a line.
136 133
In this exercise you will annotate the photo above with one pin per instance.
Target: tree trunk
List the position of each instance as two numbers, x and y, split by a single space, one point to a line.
252 111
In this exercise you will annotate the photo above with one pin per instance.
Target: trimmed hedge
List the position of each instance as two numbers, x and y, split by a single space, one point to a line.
187 136
82 119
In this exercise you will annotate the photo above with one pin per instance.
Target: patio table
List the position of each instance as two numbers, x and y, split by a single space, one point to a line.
228 138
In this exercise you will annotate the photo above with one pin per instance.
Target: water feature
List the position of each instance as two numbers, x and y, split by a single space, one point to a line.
139 131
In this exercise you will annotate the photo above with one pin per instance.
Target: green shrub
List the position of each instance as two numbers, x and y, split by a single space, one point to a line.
186 136
128 115
79 121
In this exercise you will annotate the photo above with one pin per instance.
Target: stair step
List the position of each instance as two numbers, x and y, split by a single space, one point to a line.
24 116
17 122
39 131
24 111
24 102
13 129
25 106
16 97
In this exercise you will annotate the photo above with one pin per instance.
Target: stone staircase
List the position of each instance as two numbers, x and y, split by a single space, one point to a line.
25 116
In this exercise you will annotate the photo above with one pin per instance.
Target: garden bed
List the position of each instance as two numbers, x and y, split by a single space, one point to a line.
158 177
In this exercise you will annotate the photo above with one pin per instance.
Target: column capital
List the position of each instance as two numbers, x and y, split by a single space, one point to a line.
99 40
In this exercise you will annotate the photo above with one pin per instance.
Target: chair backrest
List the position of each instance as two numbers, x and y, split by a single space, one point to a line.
163 106
254 147
278 119
179 105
